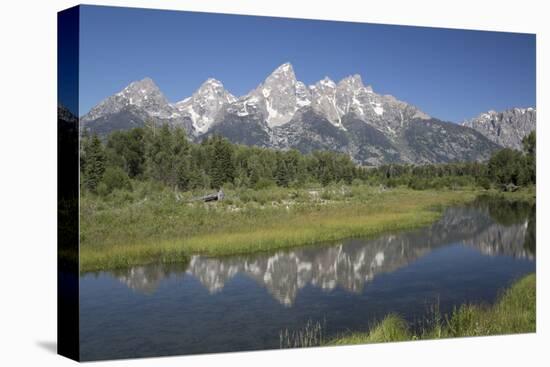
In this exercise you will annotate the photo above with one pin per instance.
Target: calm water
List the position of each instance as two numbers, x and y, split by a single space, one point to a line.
242 303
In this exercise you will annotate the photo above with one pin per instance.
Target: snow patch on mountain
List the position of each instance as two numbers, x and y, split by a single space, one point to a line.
506 128
283 112
205 104
275 101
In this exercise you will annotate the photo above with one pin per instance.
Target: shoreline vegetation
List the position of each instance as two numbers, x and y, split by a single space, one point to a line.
156 226
139 189
514 312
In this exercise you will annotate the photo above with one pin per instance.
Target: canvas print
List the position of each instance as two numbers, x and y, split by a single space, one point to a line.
237 183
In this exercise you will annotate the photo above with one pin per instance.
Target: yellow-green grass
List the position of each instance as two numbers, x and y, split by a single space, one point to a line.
514 312
165 232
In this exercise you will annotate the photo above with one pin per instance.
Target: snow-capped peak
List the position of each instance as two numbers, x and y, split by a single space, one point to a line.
279 96
142 93
353 82
353 97
212 82
326 82
283 76
275 102
285 69
323 95
204 105
303 95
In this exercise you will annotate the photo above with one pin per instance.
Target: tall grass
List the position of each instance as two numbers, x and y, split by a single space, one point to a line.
514 312
152 225
392 328
311 335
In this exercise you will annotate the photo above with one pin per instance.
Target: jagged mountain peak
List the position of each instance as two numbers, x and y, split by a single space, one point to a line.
492 114
326 82
277 98
283 112
144 94
213 85
211 88
213 81
205 104
144 86
354 81
283 76
323 95
355 84
506 128
146 81
285 68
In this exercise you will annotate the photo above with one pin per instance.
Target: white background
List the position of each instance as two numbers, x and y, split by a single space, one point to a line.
28 181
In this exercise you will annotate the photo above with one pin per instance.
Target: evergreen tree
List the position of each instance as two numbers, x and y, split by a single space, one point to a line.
114 178
505 167
222 167
182 159
163 154
160 155
94 163
85 140
254 169
281 173
126 149
529 148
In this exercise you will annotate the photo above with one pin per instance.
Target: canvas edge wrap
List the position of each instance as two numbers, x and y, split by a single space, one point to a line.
68 39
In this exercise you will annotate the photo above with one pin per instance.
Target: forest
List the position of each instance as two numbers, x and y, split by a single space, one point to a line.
165 156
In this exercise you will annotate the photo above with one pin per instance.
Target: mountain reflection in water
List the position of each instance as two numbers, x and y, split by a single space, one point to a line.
351 264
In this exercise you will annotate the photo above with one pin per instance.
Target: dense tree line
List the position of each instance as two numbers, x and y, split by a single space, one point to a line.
165 155
506 169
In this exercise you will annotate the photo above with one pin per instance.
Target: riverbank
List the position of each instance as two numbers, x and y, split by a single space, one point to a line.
149 226
514 312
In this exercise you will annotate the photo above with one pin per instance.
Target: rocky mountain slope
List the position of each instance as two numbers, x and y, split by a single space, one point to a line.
284 113
506 128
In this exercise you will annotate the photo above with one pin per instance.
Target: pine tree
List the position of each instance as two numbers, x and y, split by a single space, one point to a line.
160 155
126 149
223 169
281 173
182 159
529 148
254 169
94 163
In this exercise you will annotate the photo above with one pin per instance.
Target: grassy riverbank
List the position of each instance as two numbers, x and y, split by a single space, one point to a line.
514 312
151 225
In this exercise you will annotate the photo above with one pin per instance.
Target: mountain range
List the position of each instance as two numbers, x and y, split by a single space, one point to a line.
284 113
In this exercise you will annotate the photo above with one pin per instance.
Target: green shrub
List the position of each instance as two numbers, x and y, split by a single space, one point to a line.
114 178
102 189
484 182
264 183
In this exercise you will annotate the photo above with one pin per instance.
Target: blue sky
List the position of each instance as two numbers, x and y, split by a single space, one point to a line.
450 74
